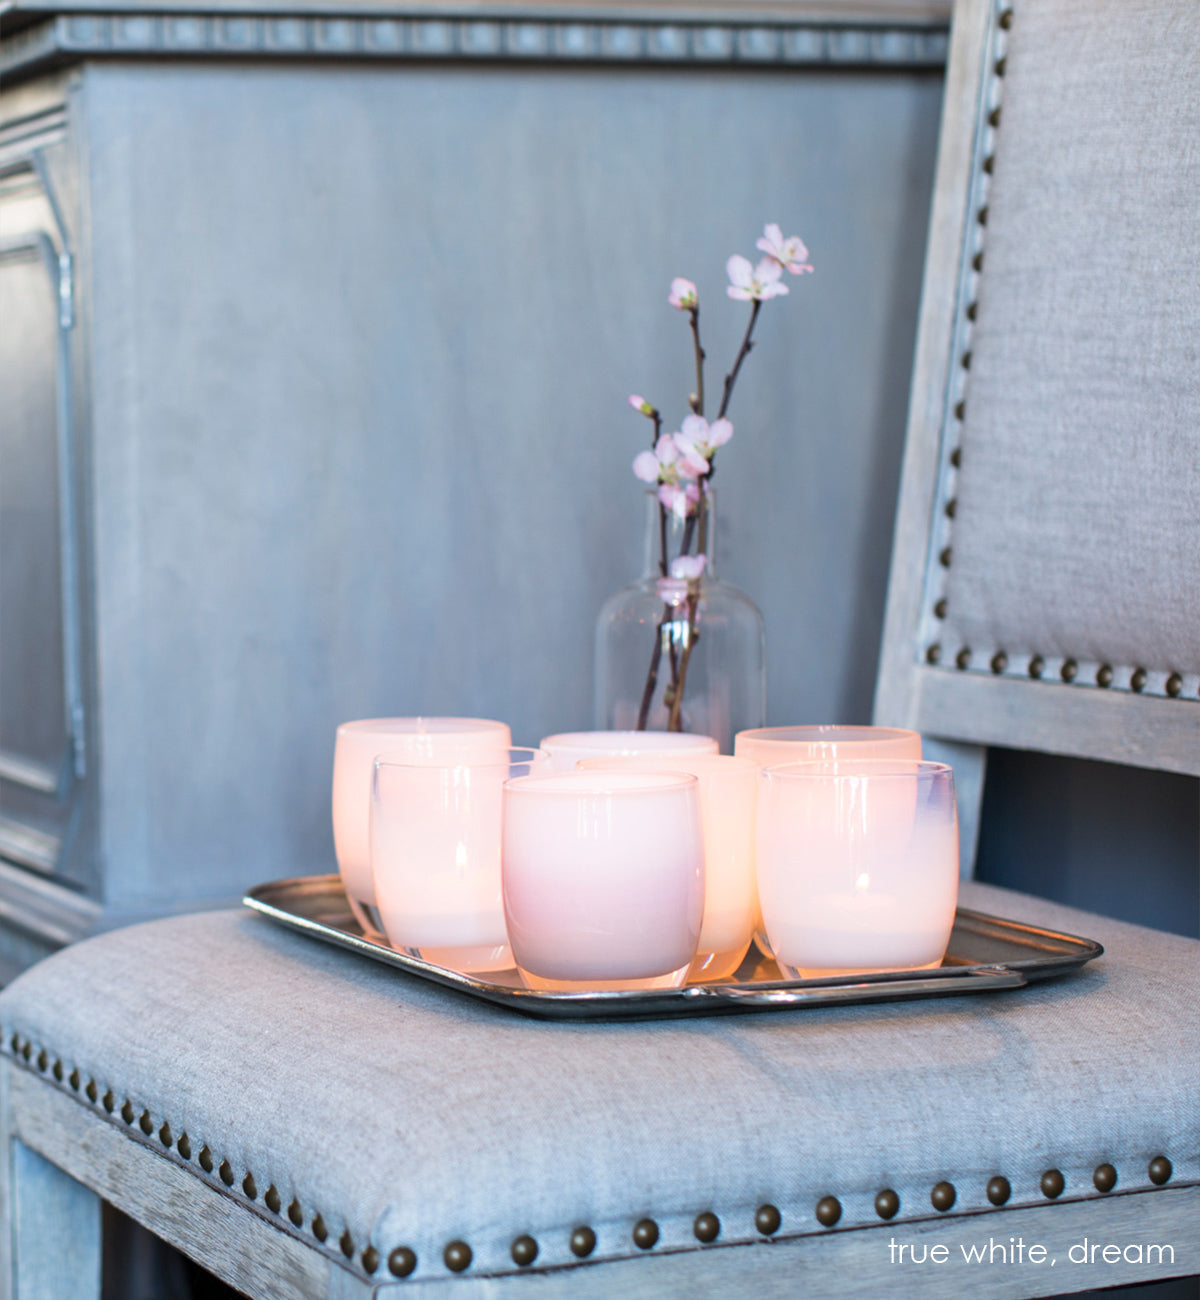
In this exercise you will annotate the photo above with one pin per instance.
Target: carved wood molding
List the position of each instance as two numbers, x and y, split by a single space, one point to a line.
896 35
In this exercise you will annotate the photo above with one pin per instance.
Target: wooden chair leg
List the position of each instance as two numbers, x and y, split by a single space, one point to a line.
52 1233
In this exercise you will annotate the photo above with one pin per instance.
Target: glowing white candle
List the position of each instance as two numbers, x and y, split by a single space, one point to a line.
435 857
603 878
728 797
857 865
568 747
358 745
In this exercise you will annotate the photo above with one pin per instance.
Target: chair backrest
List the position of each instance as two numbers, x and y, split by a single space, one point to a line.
1045 582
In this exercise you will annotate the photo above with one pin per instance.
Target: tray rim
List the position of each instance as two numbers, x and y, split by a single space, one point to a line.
700 998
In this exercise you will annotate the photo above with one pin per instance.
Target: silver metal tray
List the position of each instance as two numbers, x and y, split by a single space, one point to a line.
986 953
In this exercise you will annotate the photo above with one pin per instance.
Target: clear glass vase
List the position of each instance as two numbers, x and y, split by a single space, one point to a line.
677 653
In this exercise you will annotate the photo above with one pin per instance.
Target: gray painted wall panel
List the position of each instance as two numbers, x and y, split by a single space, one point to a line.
362 342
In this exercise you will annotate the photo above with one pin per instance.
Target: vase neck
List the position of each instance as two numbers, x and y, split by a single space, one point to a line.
667 533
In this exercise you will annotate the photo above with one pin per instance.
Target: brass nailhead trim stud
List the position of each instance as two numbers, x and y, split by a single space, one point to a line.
296 1214
370 1259
109 1101
982 215
457 1256
206 1160
583 1242
524 1250
1104 675
999 1189
164 1134
273 1199
320 1231
956 458
945 557
147 1124
960 413
999 662
951 507
966 356
402 1261
43 1060
15 1043
1174 686
1006 19
226 1172
829 1211
127 1111
1105 1178
27 1051
963 658
58 1070
707 1227
977 262
1001 66
1160 1170
250 1187
943 1196
1138 680
346 1241
994 117
1053 1183
933 653
939 610
184 1146
972 310
767 1220
1068 670
92 1091
73 1080
1037 665
989 163
887 1204
645 1234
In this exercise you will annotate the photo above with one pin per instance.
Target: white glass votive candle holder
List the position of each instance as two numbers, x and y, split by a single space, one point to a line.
857 865
358 744
603 878
435 856
769 746
728 800
567 748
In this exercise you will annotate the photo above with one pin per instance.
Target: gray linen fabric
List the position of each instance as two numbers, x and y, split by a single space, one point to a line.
1077 530
411 1115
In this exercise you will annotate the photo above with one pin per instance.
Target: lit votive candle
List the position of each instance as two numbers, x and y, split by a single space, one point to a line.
567 748
728 796
770 746
857 865
603 878
435 856
425 740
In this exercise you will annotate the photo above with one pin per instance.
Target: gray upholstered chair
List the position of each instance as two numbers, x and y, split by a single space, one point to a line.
307 1123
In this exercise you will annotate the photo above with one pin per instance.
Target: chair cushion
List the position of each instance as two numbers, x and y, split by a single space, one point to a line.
405 1115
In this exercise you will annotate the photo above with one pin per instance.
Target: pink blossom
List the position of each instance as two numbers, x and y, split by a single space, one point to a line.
640 405
679 498
702 438
688 566
790 253
754 282
683 295
669 464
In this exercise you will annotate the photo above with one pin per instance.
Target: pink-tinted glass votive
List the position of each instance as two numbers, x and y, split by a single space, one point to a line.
435 856
603 878
358 744
728 799
857 865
